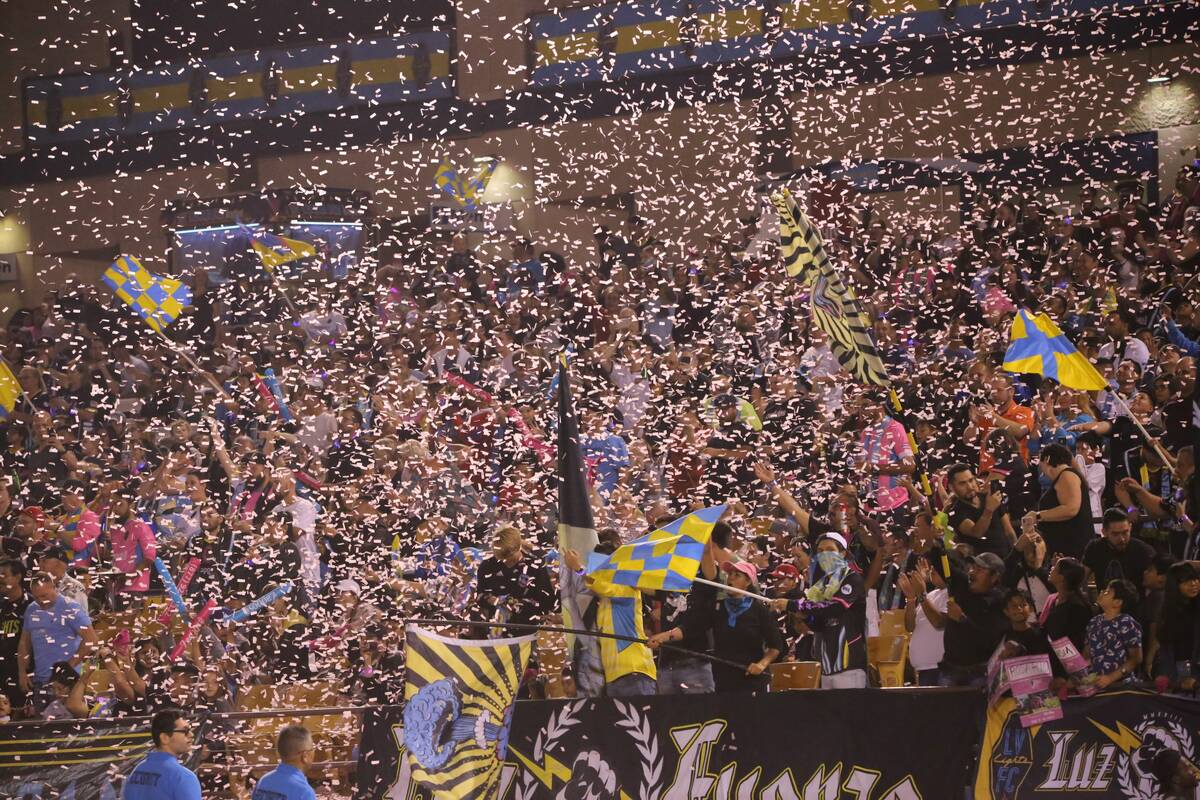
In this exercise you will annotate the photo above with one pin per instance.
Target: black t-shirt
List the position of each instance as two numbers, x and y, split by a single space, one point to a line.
753 632
971 641
676 607
723 476
1031 641
1107 564
12 613
788 430
993 541
525 585
1069 618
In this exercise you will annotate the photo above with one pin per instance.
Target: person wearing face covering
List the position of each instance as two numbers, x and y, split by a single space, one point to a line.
835 608
744 631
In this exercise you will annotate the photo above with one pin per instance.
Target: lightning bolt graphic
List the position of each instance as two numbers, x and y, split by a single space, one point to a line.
1122 737
550 769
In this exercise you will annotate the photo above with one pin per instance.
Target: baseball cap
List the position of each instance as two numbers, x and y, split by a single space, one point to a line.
348 585
786 571
744 567
36 512
989 561
56 551
833 536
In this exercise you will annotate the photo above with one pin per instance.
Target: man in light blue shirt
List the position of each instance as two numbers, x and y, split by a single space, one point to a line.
296 756
160 776
54 629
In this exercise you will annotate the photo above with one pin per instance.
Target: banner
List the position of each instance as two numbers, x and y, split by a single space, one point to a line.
81 759
1112 745
459 696
861 743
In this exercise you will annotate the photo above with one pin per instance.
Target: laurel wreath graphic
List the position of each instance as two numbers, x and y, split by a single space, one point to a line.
1134 786
639 728
555 729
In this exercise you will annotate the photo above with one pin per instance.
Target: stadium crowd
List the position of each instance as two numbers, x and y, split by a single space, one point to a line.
409 469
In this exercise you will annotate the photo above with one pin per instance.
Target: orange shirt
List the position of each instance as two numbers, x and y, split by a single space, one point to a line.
1015 413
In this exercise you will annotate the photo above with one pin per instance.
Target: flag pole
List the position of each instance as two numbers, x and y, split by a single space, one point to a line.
1166 459
24 394
576 631
922 474
734 590
283 293
174 348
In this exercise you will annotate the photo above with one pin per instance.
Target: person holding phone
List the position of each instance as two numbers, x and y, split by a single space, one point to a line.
978 514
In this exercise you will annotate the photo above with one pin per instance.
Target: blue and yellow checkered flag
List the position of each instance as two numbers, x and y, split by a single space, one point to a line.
667 558
10 390
467 190
156 298
1037 346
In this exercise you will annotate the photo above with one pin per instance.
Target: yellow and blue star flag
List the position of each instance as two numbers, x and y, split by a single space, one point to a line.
156 298
667 558
10 390
274 250
459 696
1036 345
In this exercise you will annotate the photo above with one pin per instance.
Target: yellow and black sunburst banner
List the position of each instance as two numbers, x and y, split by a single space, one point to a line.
458 709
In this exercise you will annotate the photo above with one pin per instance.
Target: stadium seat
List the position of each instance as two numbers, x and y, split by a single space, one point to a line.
787 675
886 656
891 623
552 658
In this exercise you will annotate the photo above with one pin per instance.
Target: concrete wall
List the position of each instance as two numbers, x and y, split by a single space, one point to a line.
48 37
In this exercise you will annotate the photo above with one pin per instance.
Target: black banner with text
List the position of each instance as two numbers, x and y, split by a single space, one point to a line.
1119 744
856 743
80 759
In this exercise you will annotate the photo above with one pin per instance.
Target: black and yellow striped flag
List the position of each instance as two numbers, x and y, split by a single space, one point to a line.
458 708
834 307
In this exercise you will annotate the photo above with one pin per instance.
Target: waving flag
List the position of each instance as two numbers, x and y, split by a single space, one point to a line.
467 191
156 298
458 708
834 307
667 558
1036 345
10 390
576 526
274 250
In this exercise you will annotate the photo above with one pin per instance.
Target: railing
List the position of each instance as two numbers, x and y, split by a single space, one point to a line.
645 37
251 85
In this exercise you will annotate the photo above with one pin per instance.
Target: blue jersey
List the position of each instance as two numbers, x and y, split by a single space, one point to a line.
160 776
285 782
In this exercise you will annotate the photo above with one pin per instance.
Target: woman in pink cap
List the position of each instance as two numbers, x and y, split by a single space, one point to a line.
744 630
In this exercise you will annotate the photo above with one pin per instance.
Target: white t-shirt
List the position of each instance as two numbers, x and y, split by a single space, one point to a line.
317 432
925 648
1096 476
1135 350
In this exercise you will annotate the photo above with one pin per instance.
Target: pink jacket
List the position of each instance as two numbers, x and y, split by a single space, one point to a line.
84 530
126 540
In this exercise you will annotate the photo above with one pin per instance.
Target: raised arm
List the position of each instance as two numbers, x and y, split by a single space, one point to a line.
764 473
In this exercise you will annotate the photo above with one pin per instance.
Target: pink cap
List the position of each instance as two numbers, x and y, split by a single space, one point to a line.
744 567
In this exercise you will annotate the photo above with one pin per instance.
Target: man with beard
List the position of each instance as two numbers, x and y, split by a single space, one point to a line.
979 517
